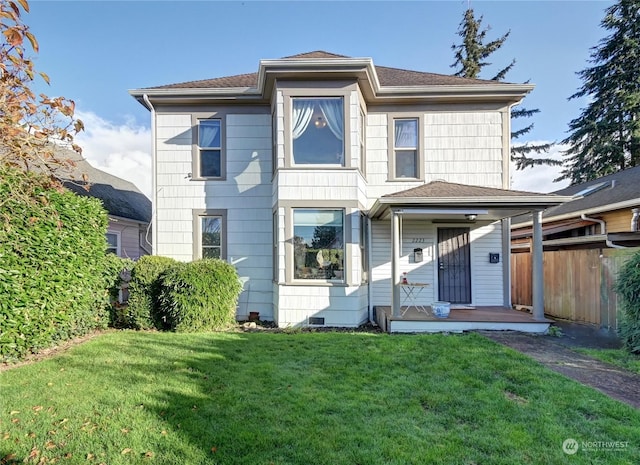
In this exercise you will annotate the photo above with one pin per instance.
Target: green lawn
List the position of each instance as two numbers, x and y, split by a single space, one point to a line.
618 357
303 398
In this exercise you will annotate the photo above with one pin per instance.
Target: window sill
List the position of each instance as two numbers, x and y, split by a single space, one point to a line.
405 180
314 283
221 178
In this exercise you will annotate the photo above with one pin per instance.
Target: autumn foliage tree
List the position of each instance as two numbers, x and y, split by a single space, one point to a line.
55 275
31 126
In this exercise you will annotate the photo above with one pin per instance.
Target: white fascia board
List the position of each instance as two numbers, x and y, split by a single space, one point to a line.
588 211
513 91
204 91
546 201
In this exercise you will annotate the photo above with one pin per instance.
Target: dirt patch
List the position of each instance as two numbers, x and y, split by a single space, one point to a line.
608 379
51 351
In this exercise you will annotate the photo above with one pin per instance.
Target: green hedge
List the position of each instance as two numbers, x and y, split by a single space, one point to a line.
144 289
54 279
628 288
199 296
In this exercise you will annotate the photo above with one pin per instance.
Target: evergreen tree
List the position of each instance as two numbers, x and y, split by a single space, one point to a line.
605 138
471 57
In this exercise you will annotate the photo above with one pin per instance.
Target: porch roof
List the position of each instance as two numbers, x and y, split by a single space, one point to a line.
454 202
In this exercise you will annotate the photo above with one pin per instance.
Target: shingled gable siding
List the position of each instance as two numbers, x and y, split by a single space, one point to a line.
486 278
461 146
245 194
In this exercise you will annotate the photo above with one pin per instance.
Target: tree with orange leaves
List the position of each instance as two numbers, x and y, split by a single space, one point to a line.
31 127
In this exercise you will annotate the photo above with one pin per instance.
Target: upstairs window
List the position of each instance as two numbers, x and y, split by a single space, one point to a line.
210 148
318 131
405 148
361 140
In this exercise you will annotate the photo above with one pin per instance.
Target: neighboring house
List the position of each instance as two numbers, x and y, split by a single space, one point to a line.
129 210
602 213
324 178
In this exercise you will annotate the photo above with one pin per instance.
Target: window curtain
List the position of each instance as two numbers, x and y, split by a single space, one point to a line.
302 113
406 133
332 111
209 134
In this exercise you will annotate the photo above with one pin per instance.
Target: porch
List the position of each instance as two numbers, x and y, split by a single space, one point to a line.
460 319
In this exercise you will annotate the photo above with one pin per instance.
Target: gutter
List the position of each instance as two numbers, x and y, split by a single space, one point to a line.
603 231
590 211
154 179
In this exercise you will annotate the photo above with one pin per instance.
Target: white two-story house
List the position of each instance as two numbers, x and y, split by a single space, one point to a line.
326 180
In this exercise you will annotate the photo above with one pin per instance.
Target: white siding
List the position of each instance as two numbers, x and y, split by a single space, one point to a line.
338 305
486 278
464 147
245 194
458 146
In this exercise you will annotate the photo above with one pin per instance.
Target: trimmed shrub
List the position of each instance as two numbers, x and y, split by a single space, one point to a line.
628 288
53 274
199 296
144 289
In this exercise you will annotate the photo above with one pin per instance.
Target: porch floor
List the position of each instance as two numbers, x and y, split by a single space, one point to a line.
460 319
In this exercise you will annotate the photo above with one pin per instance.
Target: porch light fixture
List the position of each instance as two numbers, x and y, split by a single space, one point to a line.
320 122
471 216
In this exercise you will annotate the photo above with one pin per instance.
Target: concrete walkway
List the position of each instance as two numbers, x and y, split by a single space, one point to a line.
555 353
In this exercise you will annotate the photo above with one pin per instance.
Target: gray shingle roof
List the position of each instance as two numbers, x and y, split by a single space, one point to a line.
388 77
440 189
618 187
120 198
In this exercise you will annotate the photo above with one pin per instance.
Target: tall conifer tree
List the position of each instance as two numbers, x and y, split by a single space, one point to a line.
605 138
470 58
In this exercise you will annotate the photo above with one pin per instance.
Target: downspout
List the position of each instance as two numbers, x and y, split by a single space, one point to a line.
154 174
369 292
603 231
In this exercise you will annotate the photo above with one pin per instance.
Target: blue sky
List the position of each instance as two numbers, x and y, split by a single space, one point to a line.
94 51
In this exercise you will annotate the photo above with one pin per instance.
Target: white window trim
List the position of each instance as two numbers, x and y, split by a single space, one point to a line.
118 235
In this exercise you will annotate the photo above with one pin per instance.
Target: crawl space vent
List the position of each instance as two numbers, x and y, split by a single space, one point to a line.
314 320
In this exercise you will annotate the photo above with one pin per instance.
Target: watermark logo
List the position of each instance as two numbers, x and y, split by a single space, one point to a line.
570 446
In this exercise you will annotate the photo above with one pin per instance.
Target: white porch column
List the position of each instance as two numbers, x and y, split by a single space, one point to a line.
537 275
395 263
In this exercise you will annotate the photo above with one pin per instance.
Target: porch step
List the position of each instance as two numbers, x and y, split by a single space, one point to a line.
459 320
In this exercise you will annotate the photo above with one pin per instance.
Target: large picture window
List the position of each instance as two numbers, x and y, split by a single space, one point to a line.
318 244
317 129
405 148
210 148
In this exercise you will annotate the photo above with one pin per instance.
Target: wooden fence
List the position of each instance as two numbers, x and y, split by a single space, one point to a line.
578 284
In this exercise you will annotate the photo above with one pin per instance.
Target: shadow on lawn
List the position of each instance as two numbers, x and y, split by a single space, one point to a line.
344 398
270 398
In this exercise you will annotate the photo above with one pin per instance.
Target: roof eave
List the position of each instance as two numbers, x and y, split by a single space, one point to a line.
534 202
587 211
512 93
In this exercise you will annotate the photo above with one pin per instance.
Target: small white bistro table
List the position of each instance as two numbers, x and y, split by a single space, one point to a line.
412 292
